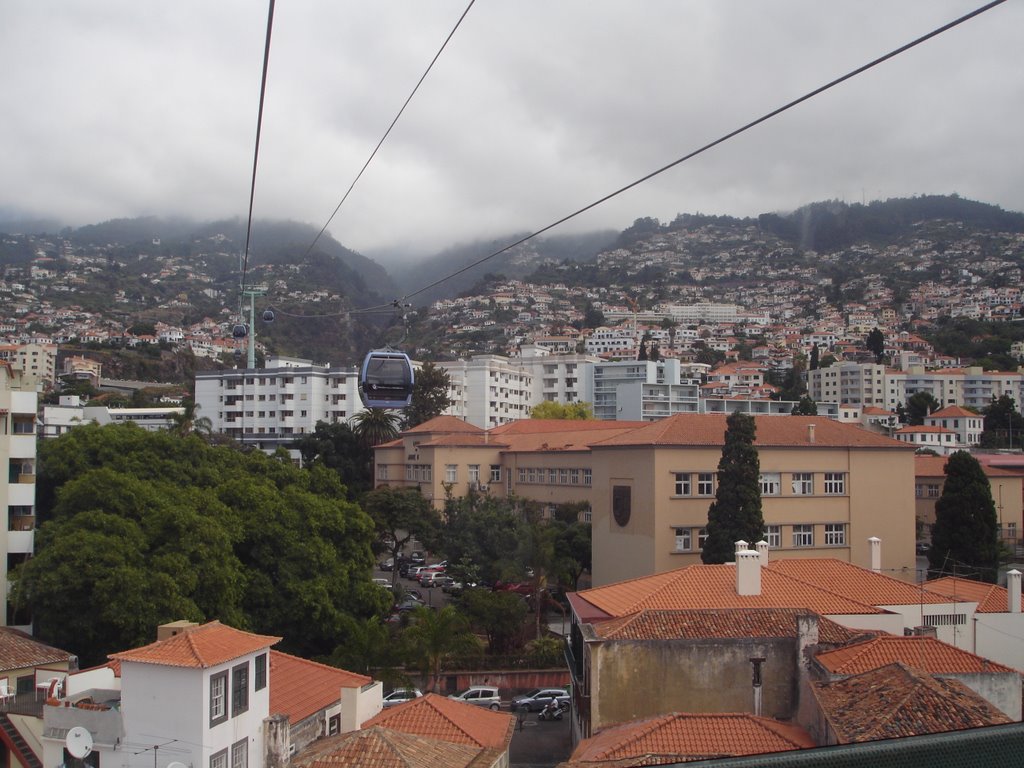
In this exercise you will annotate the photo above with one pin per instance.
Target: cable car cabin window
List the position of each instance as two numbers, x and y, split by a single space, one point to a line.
386 380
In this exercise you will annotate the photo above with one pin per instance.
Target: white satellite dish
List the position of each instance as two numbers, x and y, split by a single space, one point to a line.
78 742
176 764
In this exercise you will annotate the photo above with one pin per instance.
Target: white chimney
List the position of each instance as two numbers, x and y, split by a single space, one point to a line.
1013 591
762 551
810 433
875 546
741 546
748 573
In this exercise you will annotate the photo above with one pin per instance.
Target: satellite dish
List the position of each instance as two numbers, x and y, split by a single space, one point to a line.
78 742
176 764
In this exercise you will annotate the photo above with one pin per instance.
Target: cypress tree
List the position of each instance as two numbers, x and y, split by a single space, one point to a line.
735 513
966 528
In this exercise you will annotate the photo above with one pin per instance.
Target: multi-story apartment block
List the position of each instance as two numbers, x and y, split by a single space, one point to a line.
488 390
869 384
17 484
272 406
559 378
37 362
642 390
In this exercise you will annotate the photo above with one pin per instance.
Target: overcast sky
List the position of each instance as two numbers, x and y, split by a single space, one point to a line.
536 108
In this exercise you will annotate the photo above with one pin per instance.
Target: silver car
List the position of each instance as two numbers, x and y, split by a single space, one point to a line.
479 695
400 696
538 698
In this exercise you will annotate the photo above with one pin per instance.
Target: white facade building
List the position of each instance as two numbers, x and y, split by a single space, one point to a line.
641 390
557 378
18 482
272 406
489 390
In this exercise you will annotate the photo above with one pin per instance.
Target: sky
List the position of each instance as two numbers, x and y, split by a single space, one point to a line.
534 110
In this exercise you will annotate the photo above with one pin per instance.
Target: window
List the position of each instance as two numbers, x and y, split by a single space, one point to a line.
835 483
835 534
702 536
587 476
683 484
495 473
240 754
219 759
218 699
474 473
683 543
773 535
260 672
622 503
771 483
803 484
240 689
803 535
451 473
919 490
706 484
1011 531
933 491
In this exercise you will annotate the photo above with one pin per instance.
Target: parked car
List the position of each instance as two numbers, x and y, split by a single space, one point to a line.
432 579
386 583
414 572
538 698
417 557
387 565
479 695
400 696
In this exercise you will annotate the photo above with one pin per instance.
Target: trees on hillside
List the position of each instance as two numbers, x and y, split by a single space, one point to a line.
735 513
966 530
139 528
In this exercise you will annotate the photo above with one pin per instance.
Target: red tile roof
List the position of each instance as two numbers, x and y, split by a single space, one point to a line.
704 429
924 653
733 623
385 748
206 645
895 701
443 424
299 687
844 578
954 412
714 586
682 737
19 650
990 598
438 717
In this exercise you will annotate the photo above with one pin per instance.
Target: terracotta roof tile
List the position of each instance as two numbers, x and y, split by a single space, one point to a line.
991 598
19 650
794 431
438 717
954 412
385 748
680 737
443 424
299 687
924 653
714 586
895 701
876 589
206 645
733 623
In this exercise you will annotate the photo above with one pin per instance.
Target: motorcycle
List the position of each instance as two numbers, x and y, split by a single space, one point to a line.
551 711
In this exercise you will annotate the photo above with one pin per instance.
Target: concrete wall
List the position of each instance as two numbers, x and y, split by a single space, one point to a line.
997 636
635 679
1001 689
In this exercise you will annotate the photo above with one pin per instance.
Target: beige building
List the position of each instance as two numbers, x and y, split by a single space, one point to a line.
826 487
1007 493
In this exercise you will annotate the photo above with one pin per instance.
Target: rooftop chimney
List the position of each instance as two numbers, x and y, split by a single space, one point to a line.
1013 591
810 433
748 573
762 551
741 546
875 546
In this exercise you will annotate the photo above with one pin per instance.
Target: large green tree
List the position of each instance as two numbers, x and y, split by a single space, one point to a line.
919 406
735 514
549 409
965 537
434 636
140 528
338 448
429 395
400 515
1004 425
875 342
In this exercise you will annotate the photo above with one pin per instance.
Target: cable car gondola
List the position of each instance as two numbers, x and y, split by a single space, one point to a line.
386 379
240 331
268 316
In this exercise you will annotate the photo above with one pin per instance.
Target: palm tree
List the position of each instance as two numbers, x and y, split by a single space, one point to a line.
374 426
434 636
186 422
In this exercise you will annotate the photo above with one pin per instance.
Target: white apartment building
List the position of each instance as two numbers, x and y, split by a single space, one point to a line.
641 390
18 404
557 378
272 406
490 390
55 420
867 384
612 341
36 361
